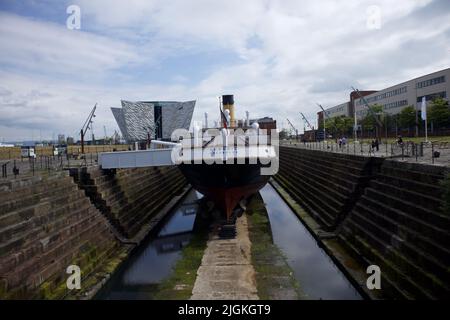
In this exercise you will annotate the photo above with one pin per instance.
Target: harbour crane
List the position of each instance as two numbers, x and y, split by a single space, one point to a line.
371 110
307 122
87 124
296 131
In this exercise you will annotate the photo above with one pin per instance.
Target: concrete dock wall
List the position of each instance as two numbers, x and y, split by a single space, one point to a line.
84 218
385 212
130 197
47 224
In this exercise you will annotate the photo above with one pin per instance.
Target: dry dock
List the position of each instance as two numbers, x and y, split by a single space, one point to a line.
117 226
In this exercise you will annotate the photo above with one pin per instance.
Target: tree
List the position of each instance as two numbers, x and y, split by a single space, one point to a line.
339 125
283 134
407 117
369 121
439 113
345 125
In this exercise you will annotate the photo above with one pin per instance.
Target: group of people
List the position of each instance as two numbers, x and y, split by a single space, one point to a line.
375 144
342 142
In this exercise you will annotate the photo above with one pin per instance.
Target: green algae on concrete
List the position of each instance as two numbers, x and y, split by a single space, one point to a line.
179 285
274 277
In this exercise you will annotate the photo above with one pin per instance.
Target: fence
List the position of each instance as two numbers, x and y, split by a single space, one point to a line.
10 153
45 164
431 152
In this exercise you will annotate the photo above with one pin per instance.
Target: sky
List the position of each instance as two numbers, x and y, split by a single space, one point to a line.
278 58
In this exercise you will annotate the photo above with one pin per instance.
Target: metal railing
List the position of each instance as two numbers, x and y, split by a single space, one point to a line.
431 152
45 164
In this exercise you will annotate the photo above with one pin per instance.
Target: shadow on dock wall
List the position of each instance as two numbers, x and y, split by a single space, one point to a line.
385 212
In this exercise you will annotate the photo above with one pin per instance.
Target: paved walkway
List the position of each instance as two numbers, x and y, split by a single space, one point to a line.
226 271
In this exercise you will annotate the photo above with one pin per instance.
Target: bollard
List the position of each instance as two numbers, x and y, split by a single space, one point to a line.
403 151
416 151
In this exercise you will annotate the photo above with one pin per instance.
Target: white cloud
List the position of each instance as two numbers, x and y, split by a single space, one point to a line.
305 52
45 47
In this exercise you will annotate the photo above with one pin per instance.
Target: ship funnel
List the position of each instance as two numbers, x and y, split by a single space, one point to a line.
228 104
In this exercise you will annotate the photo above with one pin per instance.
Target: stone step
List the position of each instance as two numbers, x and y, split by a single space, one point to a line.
409 184
36 188
132 191
68 232
424 214
36 233
54 260
400 218
399 284
318 212
353 159
133 173
24 182
326 195
103 182
417 176
136 222
138 177
18 219
32 199
421 200
340 176
420 168
411 242
393 247
336 185
338 164
303 197
139 199
151 201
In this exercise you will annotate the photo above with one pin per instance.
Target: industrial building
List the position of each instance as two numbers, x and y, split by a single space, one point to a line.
395 98
409 93
139 121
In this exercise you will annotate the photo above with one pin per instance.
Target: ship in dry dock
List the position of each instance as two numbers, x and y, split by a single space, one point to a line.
227 162
231 161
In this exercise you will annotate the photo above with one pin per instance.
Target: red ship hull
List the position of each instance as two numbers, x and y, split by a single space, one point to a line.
225 184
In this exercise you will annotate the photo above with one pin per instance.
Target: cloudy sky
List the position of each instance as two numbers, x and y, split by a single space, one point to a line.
277 57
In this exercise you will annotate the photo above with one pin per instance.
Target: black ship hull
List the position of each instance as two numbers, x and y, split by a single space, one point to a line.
225 184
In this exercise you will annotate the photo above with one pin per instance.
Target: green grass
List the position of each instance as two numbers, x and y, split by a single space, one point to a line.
268 261
179 285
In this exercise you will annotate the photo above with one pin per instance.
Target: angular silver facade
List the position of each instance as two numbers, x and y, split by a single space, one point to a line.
137 119
118 115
